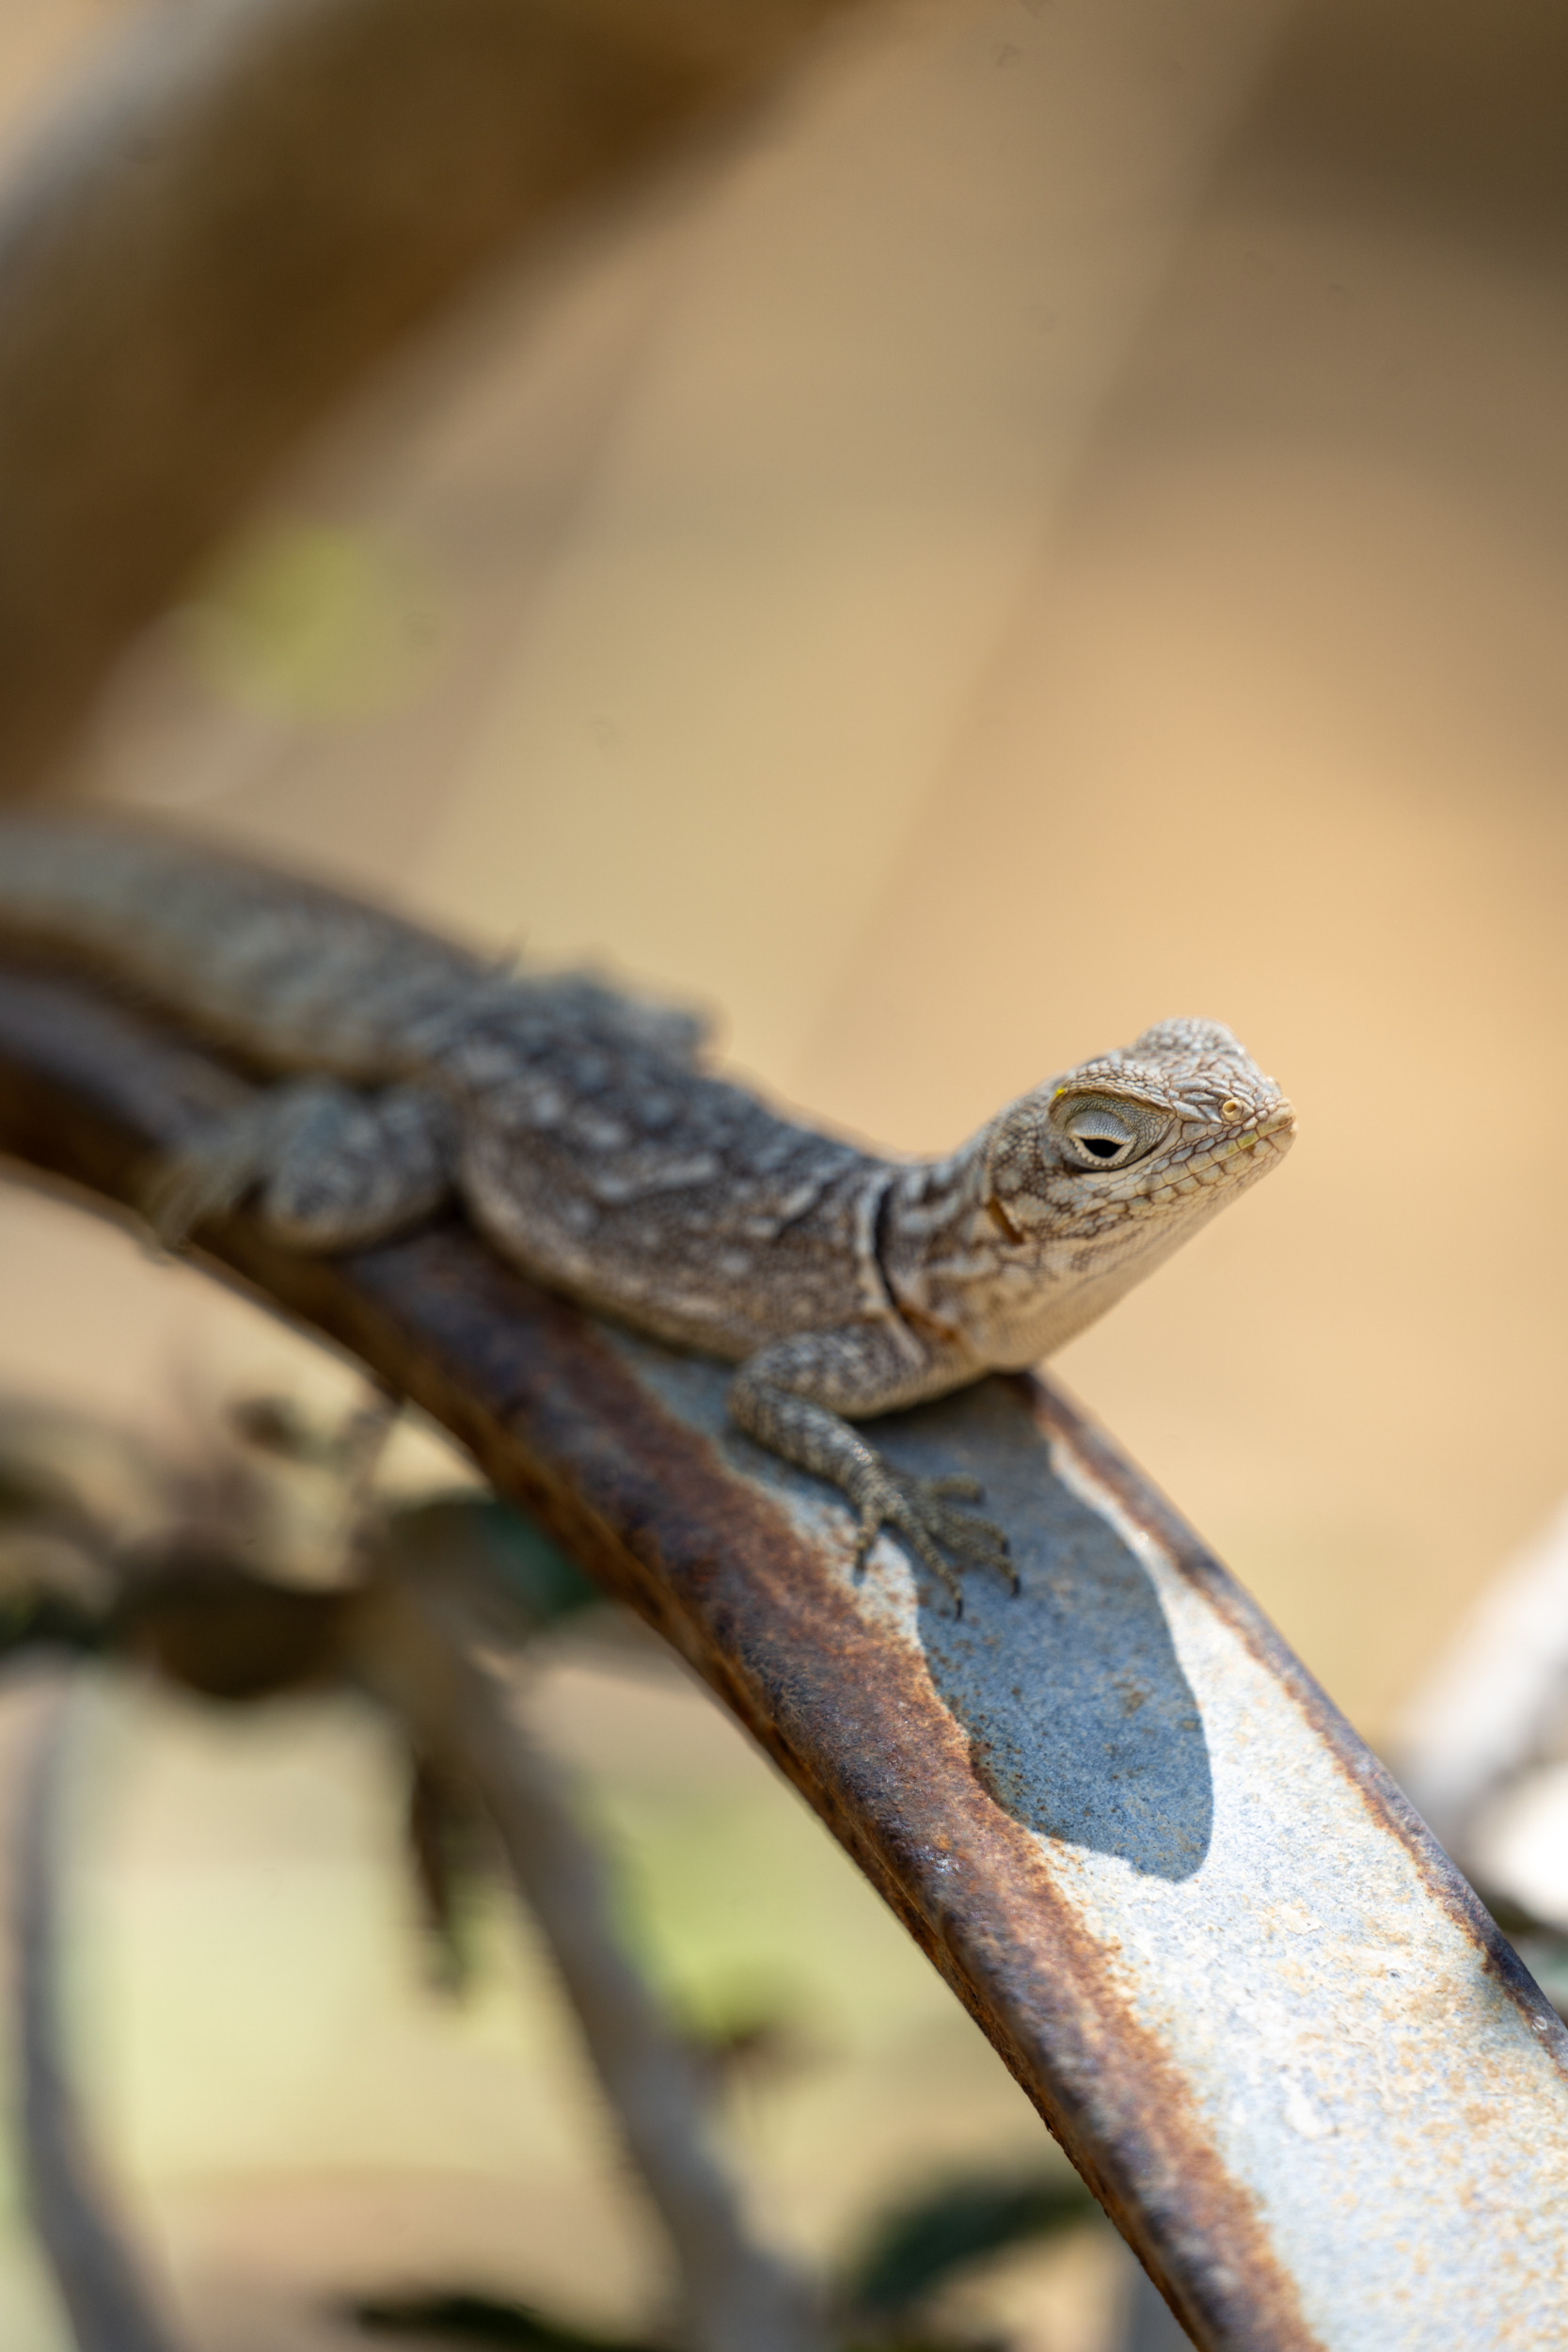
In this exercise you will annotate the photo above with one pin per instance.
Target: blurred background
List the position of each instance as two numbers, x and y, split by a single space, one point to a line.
1063 521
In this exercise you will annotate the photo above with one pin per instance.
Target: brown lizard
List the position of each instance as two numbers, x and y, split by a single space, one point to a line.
589 1143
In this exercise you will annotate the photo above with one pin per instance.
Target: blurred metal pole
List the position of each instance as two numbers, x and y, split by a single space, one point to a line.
245 206
96 2272
1493 1704
1268 2021
416 1645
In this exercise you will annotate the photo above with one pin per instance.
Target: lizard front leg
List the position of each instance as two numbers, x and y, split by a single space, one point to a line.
793 1398
332 1168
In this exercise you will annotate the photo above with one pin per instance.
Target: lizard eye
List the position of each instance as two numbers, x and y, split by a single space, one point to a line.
1103 1131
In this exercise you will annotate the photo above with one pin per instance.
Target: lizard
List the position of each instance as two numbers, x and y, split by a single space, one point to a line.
589 1140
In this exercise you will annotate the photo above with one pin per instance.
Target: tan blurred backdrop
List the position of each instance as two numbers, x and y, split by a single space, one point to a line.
1067 524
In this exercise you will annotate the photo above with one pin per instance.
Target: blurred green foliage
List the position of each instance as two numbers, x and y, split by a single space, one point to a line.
460 2316
909 2253
920 2243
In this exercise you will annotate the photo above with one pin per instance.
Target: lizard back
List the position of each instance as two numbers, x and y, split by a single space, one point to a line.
593 1148
287 972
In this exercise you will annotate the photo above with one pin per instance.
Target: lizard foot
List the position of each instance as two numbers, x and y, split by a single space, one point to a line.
332 1168
925 1512
208 1177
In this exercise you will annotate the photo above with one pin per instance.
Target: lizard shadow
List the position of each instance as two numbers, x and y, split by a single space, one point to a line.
1082 1724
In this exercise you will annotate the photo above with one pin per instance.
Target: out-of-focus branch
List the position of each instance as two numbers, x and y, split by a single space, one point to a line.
248 204
110 2304
416 1649
1495 1701
417 1587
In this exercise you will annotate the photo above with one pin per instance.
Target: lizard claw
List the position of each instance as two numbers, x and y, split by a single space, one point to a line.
925 1514
922 1513
206 1179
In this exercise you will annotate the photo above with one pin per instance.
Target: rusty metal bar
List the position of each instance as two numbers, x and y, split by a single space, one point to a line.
1266 2018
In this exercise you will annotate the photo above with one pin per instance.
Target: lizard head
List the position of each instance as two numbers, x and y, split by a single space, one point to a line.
1118 1160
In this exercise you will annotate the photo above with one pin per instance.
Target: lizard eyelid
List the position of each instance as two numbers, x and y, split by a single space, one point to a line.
1108 1132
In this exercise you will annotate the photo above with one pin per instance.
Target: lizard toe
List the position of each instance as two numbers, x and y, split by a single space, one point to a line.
871 1523
889 1502
977 1544
957 1483
945 1538
973 1538
191 1187
931 1559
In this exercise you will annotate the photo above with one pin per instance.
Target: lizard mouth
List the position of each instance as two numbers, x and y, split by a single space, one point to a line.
1277 1128
1264 1140
1237 1157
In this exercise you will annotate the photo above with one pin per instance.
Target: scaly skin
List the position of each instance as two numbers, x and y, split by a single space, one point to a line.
592 1146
